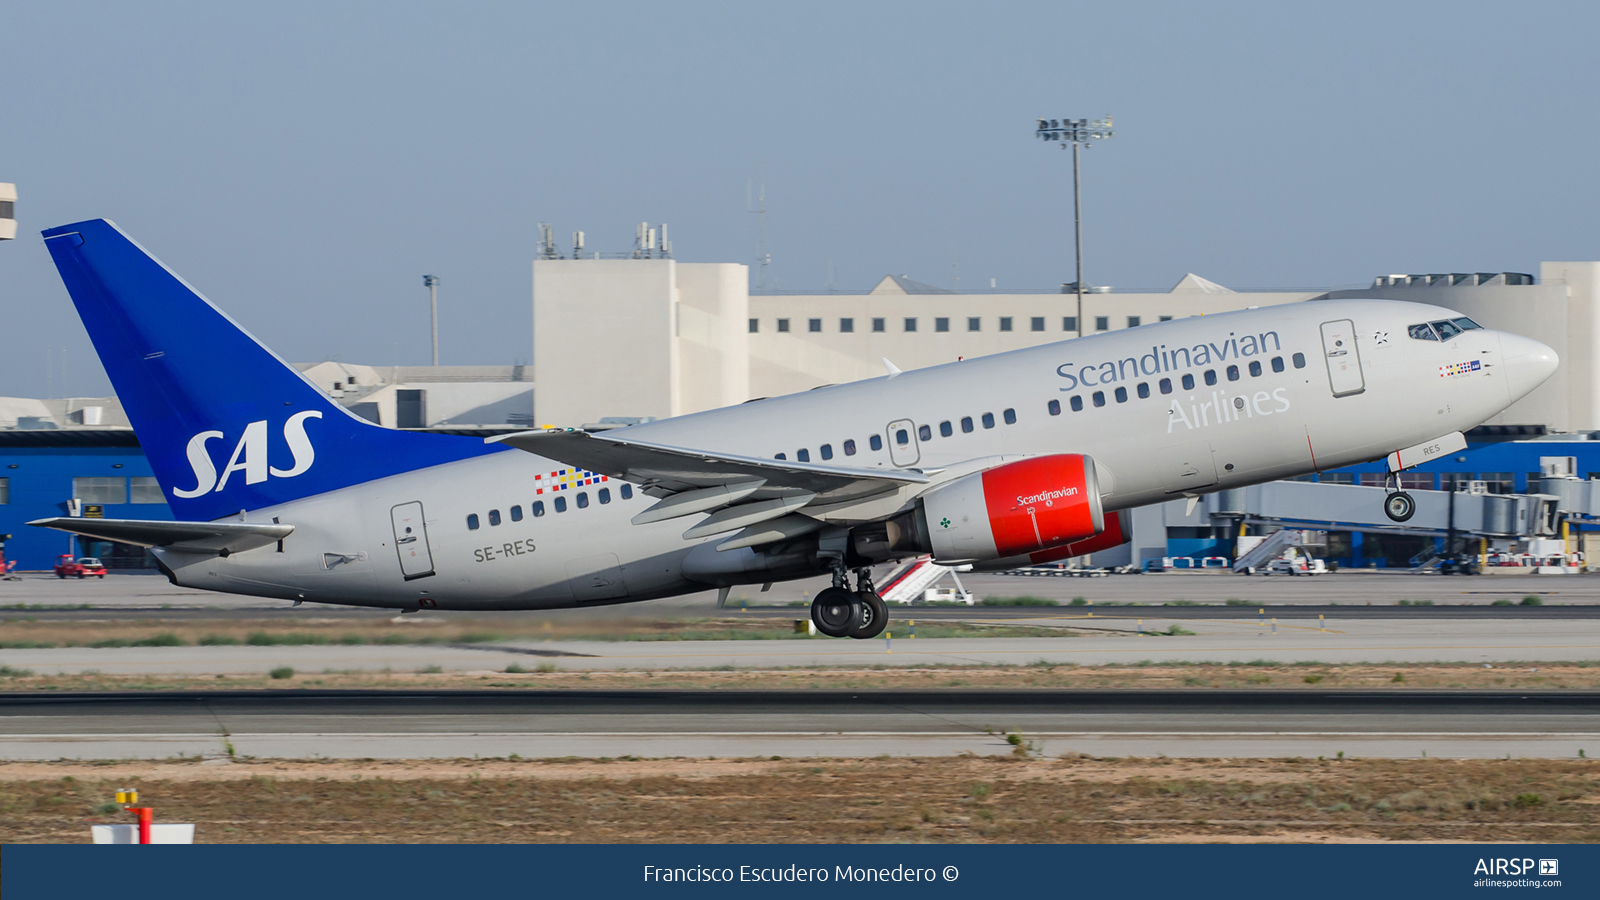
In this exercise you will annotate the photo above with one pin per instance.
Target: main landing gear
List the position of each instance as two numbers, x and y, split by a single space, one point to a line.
1398 505
840 612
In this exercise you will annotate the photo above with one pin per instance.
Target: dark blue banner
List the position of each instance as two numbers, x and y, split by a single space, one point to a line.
309 872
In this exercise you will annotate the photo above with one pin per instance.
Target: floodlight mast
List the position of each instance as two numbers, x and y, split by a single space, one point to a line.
431 282
1078 132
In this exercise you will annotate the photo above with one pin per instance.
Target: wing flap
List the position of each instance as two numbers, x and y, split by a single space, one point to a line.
185 537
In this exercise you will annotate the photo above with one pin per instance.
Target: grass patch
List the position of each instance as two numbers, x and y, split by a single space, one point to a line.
282 673
1022 601
1531 600
9 672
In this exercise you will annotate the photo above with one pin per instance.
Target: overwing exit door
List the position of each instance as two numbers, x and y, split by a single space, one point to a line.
411 541
1344 360
902 435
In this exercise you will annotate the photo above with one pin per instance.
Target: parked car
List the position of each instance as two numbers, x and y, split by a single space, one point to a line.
82 568
1297 565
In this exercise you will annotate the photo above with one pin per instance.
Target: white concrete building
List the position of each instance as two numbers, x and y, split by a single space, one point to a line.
636 338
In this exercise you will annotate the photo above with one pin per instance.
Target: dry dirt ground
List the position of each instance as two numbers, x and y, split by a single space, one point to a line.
549 676
962 799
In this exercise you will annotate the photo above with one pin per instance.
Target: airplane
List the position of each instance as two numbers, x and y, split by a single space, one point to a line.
997 461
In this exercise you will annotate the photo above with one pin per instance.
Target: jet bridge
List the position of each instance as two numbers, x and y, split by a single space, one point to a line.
1470 514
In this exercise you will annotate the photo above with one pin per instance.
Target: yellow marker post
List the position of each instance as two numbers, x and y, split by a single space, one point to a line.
888 642
1321 625
1262 612
913 624
1141 626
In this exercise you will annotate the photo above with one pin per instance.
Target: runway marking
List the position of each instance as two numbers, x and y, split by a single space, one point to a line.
1386 735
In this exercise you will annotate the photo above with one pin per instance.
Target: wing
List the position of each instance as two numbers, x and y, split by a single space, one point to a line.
771 499
217 538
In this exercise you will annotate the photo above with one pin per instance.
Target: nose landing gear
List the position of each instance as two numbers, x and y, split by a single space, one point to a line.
1398 505
840 612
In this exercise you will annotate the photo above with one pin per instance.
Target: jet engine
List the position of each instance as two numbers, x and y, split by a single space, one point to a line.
1013 510
1116 534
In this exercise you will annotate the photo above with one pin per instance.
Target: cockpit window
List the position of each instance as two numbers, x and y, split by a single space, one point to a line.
1447 329
1466 324
1422 332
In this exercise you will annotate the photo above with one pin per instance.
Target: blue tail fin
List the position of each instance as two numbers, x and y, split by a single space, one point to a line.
225 423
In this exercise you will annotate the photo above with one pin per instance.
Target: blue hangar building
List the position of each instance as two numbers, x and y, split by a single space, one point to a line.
106 471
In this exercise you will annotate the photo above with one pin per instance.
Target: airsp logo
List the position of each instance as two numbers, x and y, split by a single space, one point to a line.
250 455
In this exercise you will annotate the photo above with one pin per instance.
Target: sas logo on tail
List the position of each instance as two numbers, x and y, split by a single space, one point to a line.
250 455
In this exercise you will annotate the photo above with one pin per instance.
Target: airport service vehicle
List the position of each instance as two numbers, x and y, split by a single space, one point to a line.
1000 461
1297 565
67 567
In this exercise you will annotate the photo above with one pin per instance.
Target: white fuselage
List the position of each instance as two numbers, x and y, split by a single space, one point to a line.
1392 392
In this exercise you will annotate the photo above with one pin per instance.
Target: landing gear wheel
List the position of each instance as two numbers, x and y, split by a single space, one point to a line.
874 616
836 612
1399 506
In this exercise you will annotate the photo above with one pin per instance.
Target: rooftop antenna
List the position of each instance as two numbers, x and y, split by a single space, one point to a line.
547 242
763 258
577 244
666 245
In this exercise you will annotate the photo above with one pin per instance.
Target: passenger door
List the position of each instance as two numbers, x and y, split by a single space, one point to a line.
902 437
411 541
1344 360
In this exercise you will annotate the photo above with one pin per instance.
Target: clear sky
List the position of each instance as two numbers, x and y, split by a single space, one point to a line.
304 164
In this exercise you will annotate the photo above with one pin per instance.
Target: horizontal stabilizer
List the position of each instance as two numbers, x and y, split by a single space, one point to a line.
219 538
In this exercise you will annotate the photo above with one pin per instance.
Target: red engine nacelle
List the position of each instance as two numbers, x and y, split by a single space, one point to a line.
1117 533
1016 509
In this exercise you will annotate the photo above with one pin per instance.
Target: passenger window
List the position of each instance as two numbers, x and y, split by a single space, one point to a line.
946 429
1099 398
850 447
781 456
1423 332
472 522
1447 329
1077 403
1188 382
1211 376
494 517
827 451
966 424
1010 416
561 504
1233 373
802 455
1299 360
627 492
988 420
1255 368
604 494
1055 407
902 437
875 442
1165 385
1277 364
538 508
1144 390
925 433
516 513
1122 395
583 499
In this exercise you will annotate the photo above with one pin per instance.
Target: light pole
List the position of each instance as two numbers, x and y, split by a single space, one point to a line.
431 282
1078 132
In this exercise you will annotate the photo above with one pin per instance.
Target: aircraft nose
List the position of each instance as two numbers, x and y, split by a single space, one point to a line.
1527 363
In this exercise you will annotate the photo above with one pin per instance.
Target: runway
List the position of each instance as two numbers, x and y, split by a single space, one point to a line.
455 724
1122 639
